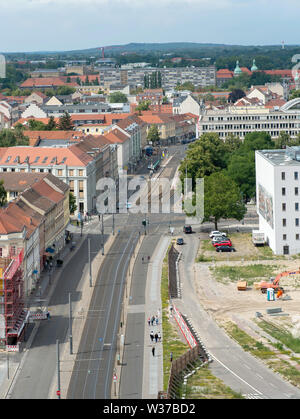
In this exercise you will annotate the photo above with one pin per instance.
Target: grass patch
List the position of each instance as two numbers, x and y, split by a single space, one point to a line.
283 336
247 342
247 272
289 372
171 342
204 385
202 258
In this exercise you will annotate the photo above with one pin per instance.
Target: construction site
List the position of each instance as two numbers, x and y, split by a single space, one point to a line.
13 315
255 297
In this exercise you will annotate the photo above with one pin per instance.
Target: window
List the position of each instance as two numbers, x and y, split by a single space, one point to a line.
283 191
71 172
284 237
71 185
283 207
13 250
282 175
45 159
284 222
297 236
296 175
59 172
80 172
296 206
1 252
296 191
297 222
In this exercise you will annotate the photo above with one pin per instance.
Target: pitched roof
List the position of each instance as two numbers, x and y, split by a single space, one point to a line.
116 136
43 156
18 182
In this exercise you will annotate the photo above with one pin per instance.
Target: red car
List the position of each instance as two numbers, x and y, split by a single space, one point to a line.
223 243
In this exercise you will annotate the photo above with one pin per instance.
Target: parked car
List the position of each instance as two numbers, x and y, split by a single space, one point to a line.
217 233
225 249
223 243
187 229
219 239
179 241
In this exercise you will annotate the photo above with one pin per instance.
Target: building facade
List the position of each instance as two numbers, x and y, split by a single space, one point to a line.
278 199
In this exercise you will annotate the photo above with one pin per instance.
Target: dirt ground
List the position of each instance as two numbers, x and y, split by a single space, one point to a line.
226 303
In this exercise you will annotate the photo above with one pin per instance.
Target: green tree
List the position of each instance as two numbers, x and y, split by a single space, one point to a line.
241 169
205 156
153 134
118 97
65 122
143 106
222 199
11 138
34 125
72 203
51 126
3 194
294 94
65 90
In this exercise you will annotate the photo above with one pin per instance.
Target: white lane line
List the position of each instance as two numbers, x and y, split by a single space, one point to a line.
228 369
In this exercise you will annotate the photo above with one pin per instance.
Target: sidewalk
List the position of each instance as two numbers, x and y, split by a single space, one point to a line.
38 299
153 365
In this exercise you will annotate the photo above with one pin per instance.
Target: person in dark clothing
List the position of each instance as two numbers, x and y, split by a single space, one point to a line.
153 350
152 335
156 337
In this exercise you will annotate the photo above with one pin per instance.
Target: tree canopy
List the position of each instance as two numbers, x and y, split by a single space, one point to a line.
118 97
153 134
222 199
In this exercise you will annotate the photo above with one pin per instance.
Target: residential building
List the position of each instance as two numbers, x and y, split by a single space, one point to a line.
278 202
165 124
75 164
35 221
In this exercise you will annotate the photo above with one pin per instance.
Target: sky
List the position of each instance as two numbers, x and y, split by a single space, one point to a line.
61 25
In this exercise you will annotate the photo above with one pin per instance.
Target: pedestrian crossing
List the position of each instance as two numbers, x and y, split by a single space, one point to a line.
253 396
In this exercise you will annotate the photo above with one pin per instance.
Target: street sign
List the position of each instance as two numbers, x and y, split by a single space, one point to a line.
58 393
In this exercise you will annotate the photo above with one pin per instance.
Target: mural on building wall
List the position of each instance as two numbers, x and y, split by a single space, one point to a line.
265 205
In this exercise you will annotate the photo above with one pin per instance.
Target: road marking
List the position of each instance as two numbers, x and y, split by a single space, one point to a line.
245 382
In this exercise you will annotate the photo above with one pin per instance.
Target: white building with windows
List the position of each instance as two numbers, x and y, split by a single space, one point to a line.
241 120
278 198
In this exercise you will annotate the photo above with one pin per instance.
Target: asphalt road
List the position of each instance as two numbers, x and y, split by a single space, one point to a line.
92 375
238 369
39 364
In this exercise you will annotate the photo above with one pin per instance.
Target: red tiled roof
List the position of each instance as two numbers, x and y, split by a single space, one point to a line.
116 136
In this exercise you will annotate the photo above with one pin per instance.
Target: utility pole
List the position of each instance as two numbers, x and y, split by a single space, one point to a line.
102 231
70 324
90 264
58 369
7 359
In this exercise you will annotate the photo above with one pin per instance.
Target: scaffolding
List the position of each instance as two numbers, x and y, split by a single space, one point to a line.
12 314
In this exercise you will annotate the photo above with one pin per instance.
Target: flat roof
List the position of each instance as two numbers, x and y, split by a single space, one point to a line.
282 157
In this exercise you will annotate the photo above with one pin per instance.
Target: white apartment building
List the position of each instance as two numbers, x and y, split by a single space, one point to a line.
240 121
278 198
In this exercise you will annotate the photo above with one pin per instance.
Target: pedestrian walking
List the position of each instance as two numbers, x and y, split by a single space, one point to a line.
151 335
159 336
171 356
153 350
152 320
149 321
156 337
156 320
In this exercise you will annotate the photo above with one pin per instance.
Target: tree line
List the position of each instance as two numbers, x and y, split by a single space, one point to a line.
228 170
